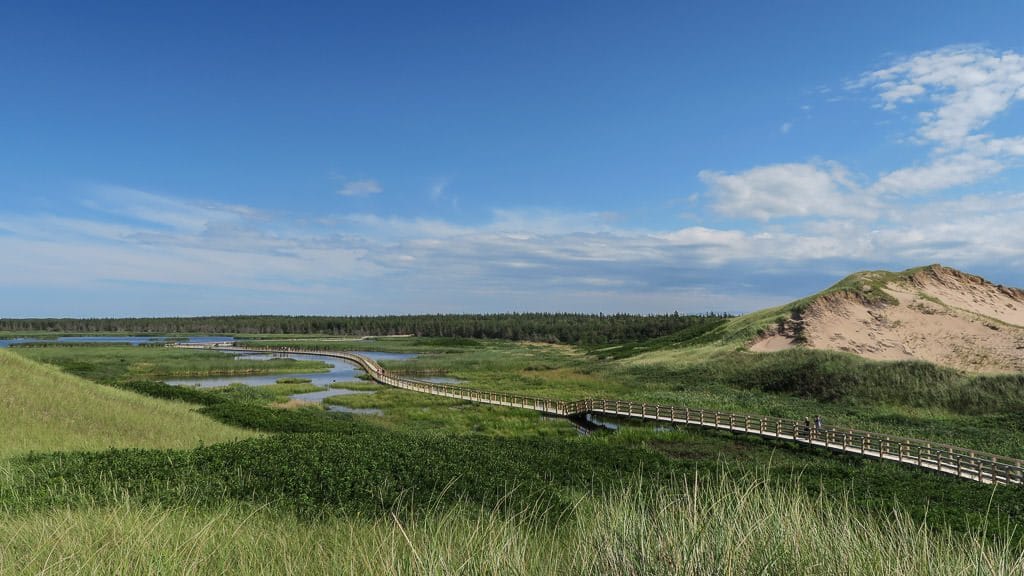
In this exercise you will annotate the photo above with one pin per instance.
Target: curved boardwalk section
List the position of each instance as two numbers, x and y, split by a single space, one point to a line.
953 460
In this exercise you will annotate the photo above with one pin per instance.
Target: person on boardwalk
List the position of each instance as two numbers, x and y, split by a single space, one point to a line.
817 425
807 427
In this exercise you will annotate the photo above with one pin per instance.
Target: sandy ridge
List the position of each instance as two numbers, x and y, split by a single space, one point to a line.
942 316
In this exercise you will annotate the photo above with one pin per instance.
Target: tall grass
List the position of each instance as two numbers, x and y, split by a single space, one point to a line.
700 527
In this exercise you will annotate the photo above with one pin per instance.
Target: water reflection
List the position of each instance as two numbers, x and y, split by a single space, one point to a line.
321 394
340 371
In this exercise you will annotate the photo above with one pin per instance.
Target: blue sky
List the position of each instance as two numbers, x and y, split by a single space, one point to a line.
386 157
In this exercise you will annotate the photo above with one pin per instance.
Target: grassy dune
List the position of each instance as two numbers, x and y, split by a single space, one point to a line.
44 409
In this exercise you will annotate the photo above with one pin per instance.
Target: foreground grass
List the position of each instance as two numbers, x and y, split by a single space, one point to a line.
44 409
701 526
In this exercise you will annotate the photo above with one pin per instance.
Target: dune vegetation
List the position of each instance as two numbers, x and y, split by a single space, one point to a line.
44 409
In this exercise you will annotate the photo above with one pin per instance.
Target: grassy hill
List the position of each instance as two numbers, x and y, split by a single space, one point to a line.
44 409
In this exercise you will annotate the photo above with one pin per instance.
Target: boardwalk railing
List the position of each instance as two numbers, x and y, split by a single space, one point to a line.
960 462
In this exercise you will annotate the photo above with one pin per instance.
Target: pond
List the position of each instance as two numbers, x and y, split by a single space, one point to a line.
340 371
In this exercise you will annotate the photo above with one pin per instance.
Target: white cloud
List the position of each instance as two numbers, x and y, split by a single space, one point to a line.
166 211
944 172
781 190
360 188
538 256
970 86
962 89
785 128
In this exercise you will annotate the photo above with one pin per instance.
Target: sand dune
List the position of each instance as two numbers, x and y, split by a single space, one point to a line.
936 314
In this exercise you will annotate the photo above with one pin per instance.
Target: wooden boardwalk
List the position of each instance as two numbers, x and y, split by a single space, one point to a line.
961 462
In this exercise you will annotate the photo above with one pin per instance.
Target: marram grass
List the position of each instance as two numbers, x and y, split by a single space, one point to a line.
720 527
44 409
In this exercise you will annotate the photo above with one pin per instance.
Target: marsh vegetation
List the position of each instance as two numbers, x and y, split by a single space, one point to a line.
443 486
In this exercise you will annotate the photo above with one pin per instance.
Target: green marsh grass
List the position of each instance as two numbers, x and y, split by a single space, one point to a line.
361 385
44 409
718 381
912 399
294 381
111 364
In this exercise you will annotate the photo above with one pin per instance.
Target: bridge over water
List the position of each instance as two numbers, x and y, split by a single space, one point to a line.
961 462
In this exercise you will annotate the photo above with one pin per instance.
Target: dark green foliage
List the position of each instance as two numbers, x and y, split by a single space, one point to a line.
180 393
689 336
263 418
563 328
354 468
55 344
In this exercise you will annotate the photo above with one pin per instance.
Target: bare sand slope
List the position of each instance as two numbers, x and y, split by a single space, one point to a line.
942 316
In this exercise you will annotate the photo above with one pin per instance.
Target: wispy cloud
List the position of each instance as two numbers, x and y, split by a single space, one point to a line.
166 211
960 90
516 257
360 188
968 84
785 190
944 172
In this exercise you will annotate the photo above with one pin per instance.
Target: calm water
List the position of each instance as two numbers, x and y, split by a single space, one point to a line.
347 410
321 394
340 371
133 340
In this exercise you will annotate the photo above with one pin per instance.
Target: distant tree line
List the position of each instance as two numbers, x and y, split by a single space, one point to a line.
564 328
